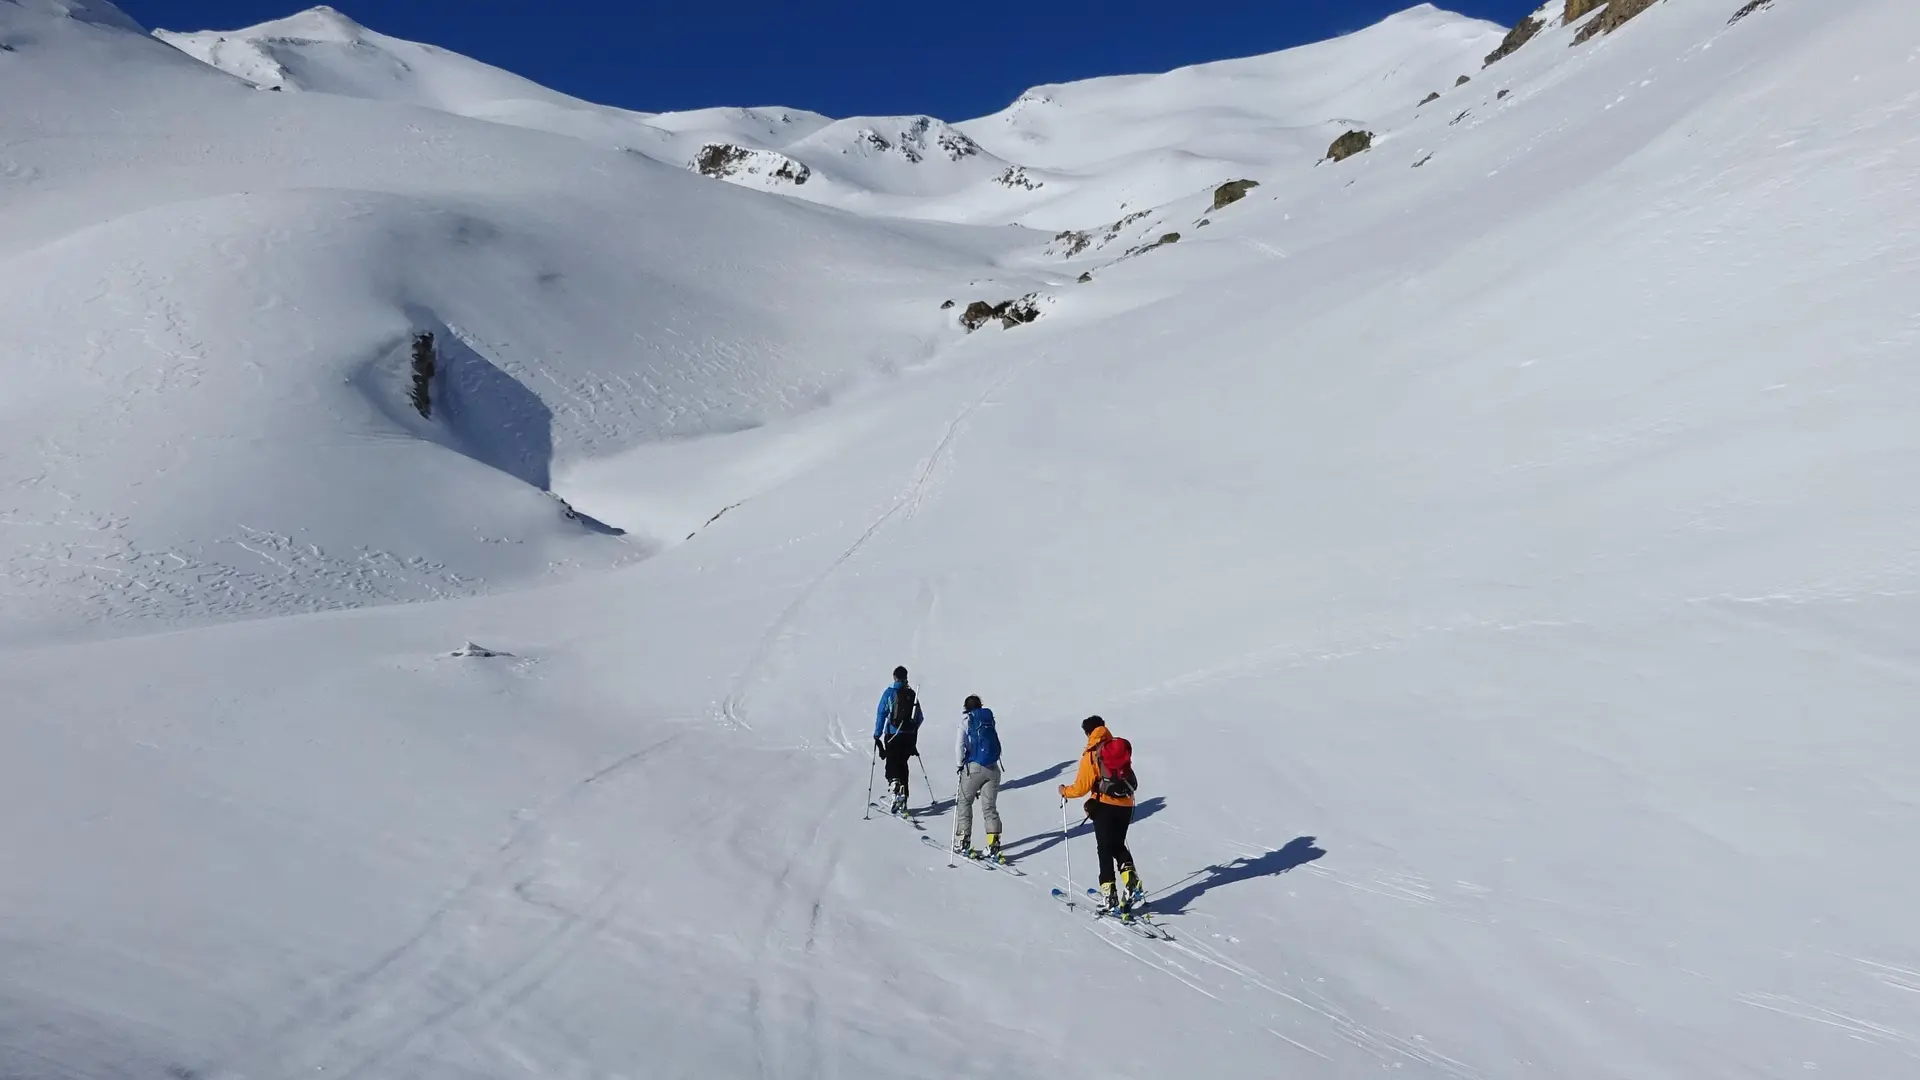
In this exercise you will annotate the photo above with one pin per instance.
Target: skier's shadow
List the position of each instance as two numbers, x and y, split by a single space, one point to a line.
941 806
1298 852
1017 850
1040 777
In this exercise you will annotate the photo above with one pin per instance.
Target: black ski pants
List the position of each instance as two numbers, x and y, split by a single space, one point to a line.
1110 836
898 754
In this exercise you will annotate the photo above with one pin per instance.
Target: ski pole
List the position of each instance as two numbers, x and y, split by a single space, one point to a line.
1067 846
953 845
871 762
953 842
928 780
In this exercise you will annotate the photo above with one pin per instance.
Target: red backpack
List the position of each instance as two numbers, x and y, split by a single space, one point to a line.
1113 761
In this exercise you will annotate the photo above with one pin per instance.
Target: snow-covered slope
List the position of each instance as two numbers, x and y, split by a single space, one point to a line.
1498 546
1140 141
208 401
324 51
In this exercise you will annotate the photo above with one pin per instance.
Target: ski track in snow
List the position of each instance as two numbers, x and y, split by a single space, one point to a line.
485 948
1247 993
800 893
906 504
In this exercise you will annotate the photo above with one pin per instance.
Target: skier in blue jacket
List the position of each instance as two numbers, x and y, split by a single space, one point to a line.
896 735
979 757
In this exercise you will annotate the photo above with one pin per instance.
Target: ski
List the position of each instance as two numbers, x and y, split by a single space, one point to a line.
906 817
1138 927
979 860
1136 924
1132 920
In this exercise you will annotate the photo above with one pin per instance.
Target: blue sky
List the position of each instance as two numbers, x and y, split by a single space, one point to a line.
841 58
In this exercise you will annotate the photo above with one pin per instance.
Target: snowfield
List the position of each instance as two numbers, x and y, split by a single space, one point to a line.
1499 546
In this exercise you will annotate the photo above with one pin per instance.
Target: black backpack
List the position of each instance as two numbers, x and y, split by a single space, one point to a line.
902 721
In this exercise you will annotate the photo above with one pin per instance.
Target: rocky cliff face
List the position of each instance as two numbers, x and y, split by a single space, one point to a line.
1522 32
1616 15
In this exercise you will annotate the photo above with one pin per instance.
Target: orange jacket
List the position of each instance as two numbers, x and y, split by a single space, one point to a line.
1089 772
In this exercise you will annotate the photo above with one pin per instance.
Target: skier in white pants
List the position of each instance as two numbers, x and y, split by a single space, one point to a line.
979 757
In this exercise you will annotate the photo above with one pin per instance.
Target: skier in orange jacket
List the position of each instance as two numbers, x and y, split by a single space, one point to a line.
1106 773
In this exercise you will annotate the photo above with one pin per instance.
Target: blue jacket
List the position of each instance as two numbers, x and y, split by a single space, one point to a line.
979 741
883 725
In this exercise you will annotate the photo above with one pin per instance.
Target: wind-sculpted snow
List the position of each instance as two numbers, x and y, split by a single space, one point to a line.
1495 546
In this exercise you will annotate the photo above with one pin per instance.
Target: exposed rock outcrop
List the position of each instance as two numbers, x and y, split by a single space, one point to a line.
1232 192
1430 98
1071 242
425 364
1011 313
1463 80
1522 32
470 650
1015 176
724 161
1165 239
1353 142
1749 8
921 138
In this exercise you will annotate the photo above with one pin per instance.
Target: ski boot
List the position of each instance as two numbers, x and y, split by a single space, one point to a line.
963 847
993 848
1135 894
899 805
1109 899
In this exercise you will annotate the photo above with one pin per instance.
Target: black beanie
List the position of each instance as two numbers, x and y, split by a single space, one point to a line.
900 673
1090 723
972 703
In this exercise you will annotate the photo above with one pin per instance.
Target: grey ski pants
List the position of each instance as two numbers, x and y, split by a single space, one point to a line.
980 782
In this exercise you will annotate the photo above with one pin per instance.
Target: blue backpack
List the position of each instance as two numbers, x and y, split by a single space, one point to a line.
983 741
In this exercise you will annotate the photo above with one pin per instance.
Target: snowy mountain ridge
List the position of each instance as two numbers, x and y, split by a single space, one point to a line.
1060 156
